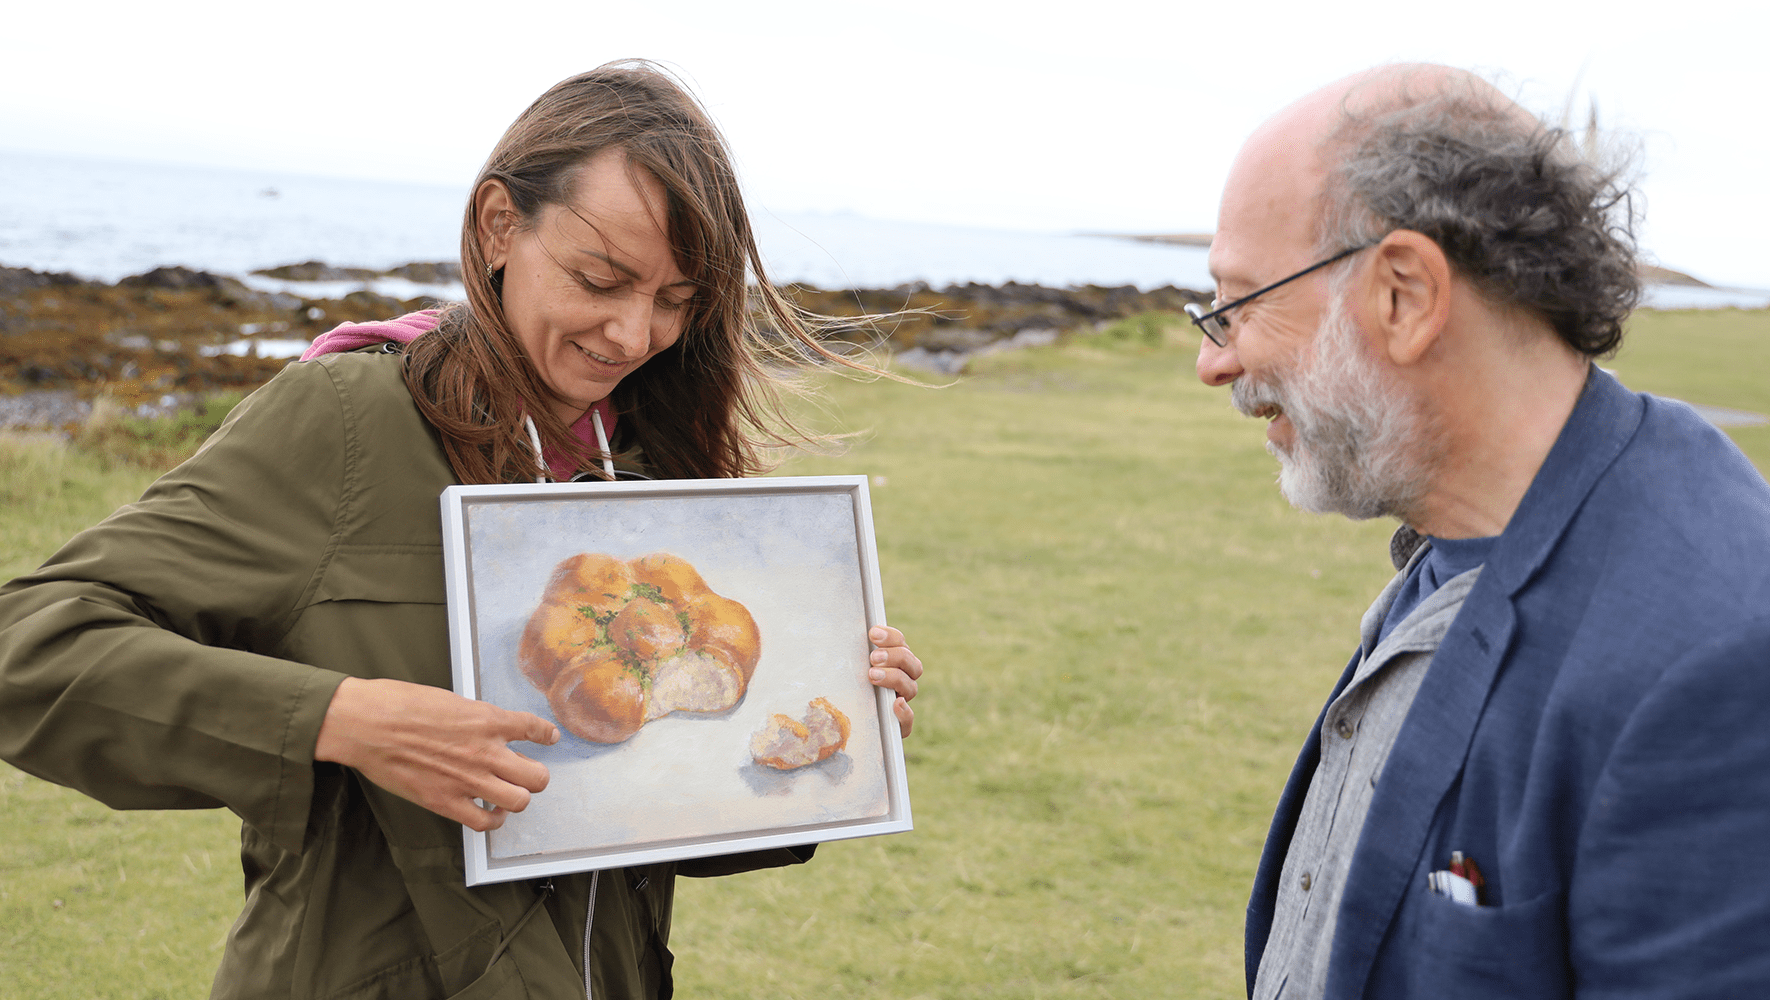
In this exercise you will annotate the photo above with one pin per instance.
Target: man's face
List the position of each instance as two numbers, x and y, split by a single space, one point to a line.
1358 444
1264 232
1350 437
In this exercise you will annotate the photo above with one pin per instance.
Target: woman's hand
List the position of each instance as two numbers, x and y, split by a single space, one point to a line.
895 667
436 748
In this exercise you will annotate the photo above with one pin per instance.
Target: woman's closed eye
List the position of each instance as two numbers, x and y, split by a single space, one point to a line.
672 301
602 284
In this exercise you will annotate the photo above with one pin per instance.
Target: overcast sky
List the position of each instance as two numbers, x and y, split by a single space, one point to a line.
1082 116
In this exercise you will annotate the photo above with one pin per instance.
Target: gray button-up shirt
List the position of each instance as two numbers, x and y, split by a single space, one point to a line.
1356 735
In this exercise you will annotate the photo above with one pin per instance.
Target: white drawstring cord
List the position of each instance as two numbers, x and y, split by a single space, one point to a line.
608 462
535 442
589 922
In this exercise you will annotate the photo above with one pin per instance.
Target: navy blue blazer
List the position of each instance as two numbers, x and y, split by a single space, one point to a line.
1594 732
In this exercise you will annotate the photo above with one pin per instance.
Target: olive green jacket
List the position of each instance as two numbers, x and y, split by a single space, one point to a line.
182 654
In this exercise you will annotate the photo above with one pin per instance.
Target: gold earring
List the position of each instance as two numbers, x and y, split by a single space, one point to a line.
489 271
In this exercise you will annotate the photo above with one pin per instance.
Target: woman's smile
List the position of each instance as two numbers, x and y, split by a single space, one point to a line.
599 361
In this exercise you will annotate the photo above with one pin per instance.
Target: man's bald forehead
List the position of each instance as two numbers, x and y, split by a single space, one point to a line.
1404 84
1276 187
1386 89
1302 130
1264 223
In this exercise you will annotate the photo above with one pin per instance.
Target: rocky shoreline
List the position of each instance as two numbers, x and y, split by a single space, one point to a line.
151 342
156 341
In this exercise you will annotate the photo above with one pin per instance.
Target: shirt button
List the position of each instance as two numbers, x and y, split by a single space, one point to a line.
1304 881
1344 728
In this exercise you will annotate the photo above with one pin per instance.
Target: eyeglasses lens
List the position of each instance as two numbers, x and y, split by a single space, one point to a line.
1208 324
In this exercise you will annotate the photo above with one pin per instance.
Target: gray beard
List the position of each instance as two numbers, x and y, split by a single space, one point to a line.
1363 447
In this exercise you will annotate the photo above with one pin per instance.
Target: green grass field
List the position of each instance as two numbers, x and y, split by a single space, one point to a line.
1127 632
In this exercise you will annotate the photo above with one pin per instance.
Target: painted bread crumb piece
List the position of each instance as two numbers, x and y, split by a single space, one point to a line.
784 743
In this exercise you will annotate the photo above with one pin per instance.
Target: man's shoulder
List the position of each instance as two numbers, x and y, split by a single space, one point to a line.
1670 546
1684 475
1670 426
1639 488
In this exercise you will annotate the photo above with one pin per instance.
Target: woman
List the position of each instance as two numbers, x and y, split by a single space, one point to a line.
265 629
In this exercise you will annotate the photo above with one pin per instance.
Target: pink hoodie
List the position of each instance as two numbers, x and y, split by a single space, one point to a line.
407 328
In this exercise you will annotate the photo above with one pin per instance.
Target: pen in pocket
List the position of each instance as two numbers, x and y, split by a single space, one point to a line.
1462 881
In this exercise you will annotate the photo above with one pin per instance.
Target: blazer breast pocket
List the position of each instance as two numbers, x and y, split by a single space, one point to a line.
1515 950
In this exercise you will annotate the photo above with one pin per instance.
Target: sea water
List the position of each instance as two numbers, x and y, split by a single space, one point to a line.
108 219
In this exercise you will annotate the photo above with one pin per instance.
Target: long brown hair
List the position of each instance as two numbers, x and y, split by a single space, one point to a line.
709 406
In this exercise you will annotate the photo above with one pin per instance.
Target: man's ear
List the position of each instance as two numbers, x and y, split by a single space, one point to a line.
1409 295
494 217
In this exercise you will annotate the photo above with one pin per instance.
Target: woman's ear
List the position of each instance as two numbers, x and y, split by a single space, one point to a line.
494 217
1409 295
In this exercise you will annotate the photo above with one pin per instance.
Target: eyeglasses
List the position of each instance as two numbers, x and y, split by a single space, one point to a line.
1213 327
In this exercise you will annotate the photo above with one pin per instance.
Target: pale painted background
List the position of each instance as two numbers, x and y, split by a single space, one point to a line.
793 561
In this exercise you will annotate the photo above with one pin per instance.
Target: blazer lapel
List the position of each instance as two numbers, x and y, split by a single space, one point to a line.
1434 742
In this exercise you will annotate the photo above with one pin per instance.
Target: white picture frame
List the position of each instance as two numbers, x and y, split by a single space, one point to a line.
797 553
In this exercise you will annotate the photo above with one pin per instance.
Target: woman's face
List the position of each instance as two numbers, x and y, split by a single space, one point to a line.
591 289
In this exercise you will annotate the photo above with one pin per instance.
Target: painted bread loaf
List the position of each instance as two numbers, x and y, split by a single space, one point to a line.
617 643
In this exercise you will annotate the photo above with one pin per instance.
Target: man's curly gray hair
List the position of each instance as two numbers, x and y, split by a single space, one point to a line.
1515 208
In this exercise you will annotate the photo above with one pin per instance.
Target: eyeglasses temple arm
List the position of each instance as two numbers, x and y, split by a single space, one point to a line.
1318 265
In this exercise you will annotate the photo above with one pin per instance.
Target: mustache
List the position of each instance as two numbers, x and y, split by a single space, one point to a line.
1255 399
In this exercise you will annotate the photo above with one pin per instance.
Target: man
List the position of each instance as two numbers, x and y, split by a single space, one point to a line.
1546 770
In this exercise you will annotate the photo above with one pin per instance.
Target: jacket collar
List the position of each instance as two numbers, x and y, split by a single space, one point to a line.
1597 431
1430 750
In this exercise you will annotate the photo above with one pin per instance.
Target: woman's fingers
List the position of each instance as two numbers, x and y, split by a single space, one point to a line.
486 811
510 784
447 753
486 804
892 653
893 666
537 729
896 679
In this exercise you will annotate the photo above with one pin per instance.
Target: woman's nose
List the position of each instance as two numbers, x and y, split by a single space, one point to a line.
630 327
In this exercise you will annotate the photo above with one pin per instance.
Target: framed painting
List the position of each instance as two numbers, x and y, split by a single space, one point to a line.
702 646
